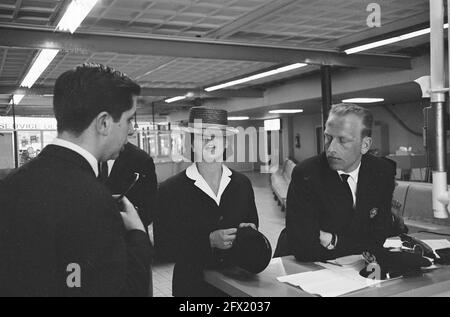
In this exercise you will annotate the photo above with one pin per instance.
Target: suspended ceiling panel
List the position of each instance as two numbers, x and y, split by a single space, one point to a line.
14 64
156 71
35 12
309 23
168 17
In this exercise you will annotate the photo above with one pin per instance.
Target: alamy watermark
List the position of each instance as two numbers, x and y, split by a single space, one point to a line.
73 280
374 18
242 145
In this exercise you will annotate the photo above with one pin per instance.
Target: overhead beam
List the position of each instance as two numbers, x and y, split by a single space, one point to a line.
226 93
44 37
145 91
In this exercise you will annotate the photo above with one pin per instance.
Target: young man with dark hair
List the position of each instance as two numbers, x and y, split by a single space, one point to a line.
61 232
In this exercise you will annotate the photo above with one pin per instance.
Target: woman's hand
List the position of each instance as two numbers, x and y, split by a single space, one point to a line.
222 238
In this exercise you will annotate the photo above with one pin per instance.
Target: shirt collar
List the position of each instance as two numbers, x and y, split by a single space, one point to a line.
76 148
193 173
353 174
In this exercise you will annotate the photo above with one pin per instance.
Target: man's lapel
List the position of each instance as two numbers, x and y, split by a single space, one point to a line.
366 187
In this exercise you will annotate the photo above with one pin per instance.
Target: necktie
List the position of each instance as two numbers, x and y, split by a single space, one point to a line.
102 171
348 190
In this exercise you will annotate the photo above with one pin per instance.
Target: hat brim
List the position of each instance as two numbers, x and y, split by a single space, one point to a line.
228 130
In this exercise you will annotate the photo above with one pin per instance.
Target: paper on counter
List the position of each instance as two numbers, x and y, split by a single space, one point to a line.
329 283
348 260
438 244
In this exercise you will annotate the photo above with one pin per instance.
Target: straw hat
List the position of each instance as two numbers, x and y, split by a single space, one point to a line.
201 118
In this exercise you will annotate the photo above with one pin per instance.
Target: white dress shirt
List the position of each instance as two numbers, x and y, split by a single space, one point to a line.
110 166
352 181
192 173
78 149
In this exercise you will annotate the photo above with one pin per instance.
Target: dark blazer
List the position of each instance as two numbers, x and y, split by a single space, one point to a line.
186 216
54 213
143 194
316 201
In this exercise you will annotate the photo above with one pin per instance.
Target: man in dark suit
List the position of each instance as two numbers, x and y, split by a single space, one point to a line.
61 231
339 202
142 195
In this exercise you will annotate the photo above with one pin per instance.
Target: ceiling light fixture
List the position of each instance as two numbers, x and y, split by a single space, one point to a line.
363 100
286 111
175 99
242 118
75 14
43 59
389 40
16 99
257 76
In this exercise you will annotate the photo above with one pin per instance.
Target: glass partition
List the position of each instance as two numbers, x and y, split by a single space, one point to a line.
162 145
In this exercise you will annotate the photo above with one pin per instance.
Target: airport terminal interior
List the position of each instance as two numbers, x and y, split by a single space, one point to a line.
276 66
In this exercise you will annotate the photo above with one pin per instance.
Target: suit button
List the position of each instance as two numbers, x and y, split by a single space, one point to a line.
221 218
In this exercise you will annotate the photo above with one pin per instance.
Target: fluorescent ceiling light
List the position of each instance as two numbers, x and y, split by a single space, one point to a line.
272 125
175 99
44 58
257 76
363 100
238 118
389 41
16 99
75 14
286 111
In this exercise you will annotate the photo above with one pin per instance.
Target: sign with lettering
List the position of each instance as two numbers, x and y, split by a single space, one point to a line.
28 123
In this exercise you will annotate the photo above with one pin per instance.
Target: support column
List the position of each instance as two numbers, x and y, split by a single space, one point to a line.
16 150
325 72
438 104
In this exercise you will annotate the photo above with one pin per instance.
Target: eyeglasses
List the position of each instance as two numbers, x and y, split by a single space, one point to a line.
135 179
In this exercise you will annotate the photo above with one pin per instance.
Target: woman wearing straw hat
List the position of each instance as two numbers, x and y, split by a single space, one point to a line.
201 208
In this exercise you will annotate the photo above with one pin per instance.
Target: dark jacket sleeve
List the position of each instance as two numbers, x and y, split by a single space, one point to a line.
117 262
138 264
381 225
302 220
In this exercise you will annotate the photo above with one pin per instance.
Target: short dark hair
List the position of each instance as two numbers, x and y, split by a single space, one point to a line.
343 109
82 93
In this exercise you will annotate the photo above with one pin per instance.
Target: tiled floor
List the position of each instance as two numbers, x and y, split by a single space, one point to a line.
271 222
